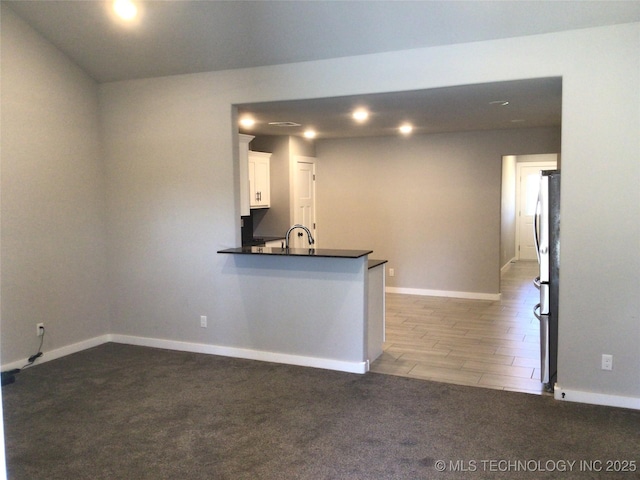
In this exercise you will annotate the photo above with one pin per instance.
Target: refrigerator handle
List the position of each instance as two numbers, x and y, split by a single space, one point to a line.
536 282
544 344
536 216
536 309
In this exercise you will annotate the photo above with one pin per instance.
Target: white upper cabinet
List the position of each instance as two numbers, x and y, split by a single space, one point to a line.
259 179
243 158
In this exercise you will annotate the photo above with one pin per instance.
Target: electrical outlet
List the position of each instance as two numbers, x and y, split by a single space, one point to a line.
607 362
39 329
392 272
203 321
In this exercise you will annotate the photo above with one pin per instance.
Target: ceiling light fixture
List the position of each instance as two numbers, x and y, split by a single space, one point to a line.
406 129
360 115
247 122
284 124
309 134
502 103
125 9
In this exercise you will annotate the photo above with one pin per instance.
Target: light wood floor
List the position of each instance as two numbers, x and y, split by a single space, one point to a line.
491 344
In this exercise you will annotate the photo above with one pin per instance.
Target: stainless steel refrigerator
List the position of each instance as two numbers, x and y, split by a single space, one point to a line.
547 240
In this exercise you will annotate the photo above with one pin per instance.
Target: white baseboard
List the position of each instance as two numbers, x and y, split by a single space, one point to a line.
264 356
507 265
569 395
443 293
560 393
61 352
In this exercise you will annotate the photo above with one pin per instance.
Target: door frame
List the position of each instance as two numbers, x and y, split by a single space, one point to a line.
293 191
544 165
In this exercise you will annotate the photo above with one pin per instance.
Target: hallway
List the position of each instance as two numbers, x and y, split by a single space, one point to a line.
491 344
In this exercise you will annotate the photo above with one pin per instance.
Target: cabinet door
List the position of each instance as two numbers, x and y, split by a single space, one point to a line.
260 179
243 159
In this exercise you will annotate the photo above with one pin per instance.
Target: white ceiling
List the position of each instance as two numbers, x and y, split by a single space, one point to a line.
184 36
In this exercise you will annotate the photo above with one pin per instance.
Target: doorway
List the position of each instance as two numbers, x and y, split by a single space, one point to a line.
304 199
527 185
484 343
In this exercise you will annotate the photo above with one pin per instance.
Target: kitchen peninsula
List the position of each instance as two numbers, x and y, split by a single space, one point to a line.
321 308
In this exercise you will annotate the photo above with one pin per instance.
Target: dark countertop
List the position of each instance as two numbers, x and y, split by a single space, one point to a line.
376 263
298 252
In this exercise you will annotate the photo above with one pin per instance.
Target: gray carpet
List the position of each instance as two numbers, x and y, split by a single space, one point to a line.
125 412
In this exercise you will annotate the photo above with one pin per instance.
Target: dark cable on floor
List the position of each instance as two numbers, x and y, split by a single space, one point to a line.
37 355
10 375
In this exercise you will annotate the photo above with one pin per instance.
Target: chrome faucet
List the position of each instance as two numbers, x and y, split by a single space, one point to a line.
297 225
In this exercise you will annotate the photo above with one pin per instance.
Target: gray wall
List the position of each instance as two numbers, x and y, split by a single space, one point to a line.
180 277
53 198
302 147
275 220
508 211
173 199
430 204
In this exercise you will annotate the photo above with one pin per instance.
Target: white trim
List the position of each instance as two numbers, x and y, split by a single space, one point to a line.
293 191
566 395
444 293
505 268
264 356
61 352
608 400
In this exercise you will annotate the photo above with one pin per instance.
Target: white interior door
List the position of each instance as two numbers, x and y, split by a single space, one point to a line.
528 185
304 211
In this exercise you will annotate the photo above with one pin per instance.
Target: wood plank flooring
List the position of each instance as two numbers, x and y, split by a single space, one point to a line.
483 343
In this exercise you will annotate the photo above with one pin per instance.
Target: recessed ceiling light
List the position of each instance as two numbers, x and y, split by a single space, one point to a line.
309 134
360 115
502 103
247 122
406 129
125 9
